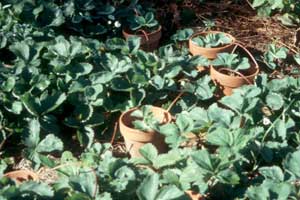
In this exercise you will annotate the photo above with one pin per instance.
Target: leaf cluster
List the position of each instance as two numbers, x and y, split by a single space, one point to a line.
212 40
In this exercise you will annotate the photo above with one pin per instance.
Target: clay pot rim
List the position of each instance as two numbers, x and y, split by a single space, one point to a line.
125 32
24 171
235 77
212 48
136 134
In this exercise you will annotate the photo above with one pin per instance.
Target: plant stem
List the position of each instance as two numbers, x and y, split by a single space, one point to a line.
174 101
249 3
233 50
273 124
114 133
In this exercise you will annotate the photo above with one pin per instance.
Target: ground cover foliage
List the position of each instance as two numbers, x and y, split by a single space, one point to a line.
66 75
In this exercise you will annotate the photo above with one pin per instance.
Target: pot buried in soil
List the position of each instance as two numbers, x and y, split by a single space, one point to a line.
20 176
135 139
210 53
149 41
227 83
194 195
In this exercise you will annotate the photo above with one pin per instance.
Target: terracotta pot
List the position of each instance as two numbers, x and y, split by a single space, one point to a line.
149 41
194 195
227 83
210 53
20 176
135 139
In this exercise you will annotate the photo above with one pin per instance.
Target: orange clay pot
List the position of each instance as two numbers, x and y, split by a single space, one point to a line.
210 53
227 83
20 176
135 139
194 195
149 41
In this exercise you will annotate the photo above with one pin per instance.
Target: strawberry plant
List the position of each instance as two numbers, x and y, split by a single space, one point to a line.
281 61
147 23
176 133
276 183
91 18
35 146
144 119
182 35
231 61
288 9
212 40
275 55
28 190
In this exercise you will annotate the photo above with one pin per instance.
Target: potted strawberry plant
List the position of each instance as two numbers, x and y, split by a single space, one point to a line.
209 44
146 28
139 126
229 71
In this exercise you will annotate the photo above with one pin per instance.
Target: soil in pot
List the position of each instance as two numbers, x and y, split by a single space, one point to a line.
135 139
20 176
149 41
